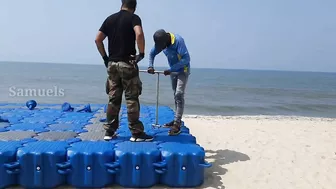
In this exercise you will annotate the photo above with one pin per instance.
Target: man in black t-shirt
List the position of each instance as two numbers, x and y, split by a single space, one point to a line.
123 29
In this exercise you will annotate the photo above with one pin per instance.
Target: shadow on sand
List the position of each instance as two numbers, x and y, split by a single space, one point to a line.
219 158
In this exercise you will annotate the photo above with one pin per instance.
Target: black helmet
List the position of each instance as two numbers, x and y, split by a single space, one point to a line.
161 39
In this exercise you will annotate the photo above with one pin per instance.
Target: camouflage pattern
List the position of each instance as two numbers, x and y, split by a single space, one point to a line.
123 76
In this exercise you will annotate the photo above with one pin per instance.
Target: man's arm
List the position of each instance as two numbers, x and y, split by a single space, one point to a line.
101 35
185 57
152 55
99 43
140 37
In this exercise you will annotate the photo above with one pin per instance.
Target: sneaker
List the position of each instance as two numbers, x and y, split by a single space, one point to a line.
141 138
175 129
170 124
109 135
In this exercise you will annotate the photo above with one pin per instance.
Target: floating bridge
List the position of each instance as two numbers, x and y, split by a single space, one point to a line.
53 145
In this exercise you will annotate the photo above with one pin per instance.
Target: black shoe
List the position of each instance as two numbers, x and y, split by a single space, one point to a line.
175 129
109 135
141 138
170 124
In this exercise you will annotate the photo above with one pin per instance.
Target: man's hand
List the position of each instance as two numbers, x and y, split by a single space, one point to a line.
139 57
166 72
106 60
151 70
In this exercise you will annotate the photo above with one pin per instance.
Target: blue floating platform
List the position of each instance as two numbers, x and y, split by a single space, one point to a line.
7 155
36 165
135 163
43 146
182 164
87 165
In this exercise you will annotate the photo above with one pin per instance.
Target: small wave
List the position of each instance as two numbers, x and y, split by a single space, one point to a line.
321 110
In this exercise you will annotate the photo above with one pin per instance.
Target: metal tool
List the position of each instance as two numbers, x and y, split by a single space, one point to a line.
156 124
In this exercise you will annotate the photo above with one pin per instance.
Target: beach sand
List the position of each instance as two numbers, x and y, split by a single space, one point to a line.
263 152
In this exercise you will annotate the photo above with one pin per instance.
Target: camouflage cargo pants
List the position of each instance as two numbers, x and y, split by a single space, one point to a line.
123 77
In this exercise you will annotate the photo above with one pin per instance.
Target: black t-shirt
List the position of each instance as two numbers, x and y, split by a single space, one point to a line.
118 27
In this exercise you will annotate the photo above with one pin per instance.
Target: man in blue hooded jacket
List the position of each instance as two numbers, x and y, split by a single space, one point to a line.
174 47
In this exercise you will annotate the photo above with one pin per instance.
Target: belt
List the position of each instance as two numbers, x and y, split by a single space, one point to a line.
123 59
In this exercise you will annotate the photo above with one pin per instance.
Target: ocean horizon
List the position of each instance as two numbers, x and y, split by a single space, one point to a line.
210 91
142 67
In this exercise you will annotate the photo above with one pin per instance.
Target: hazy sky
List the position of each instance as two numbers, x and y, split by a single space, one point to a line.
242 34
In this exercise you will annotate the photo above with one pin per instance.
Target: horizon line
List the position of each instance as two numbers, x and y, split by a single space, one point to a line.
213 68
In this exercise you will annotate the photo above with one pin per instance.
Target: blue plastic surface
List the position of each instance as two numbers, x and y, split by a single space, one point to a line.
184 129
105 108
66 107
72 120
181 138
31 104
182 164
46 147
46 119
67 127
136 164
4 124
8 155
12 119
37 164
86 108
87 165
38 127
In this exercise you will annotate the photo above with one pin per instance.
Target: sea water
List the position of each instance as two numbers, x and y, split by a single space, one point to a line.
208 92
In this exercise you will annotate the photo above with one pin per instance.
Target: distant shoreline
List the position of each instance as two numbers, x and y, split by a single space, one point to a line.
259 117
232 69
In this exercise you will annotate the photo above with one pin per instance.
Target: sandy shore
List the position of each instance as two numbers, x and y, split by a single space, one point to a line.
267 152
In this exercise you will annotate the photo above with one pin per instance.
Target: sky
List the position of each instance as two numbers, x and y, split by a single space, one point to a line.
298 35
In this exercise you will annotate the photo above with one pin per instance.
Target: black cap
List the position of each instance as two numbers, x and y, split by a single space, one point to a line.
161 39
